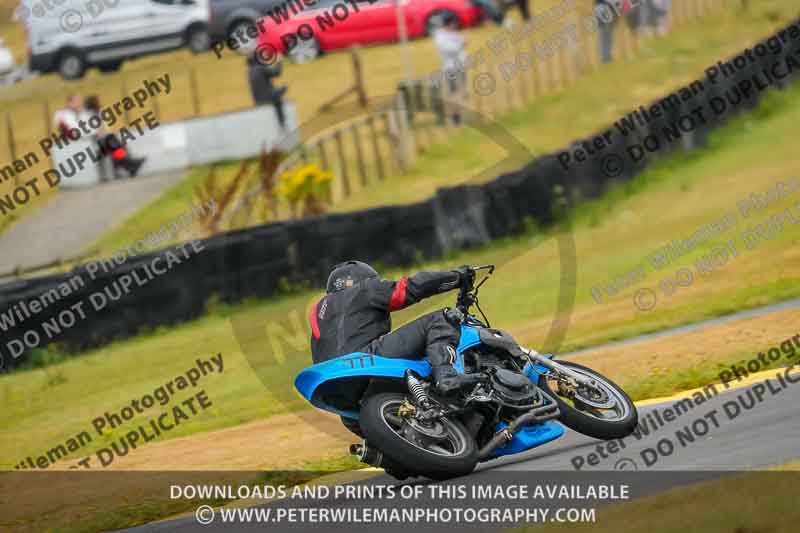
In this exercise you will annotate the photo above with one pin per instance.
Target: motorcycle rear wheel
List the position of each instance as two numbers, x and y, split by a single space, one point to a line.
452 453
587 419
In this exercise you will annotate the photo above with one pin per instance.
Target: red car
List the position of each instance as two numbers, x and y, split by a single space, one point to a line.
301 32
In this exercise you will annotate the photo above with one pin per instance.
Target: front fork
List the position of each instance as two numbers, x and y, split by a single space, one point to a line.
536 358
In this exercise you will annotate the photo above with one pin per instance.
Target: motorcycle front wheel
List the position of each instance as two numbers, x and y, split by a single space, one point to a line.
441 449
603 413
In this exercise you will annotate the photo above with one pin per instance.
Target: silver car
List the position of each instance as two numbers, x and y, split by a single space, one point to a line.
72 35
232 17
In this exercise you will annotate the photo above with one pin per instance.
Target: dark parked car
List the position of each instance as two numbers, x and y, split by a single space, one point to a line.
229 15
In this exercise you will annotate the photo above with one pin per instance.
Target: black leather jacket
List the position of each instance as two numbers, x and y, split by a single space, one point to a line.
346 321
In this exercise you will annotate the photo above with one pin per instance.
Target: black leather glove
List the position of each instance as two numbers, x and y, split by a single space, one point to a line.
465 275
453 315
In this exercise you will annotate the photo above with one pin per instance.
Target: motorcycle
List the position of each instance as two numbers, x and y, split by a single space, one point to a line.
515 399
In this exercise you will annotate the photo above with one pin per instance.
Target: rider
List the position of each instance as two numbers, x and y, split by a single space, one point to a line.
354 316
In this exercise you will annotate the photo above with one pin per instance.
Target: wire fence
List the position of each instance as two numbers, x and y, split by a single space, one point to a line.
364 151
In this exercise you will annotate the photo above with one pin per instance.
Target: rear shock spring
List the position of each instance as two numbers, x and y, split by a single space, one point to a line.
417 389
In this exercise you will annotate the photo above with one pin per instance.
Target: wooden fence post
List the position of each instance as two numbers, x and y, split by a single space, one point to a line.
359 76
492 111
156 109
625 39
323 155
477 98
124 89
337 137
589 49
536 77
48 119
509 89
194 91
359 154
12 145
563 56
523 84
549 77
376 149
390 127
404 132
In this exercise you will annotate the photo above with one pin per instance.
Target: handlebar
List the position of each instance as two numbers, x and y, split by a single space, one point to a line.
468 292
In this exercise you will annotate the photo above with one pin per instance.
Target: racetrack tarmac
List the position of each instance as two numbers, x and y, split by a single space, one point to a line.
705 435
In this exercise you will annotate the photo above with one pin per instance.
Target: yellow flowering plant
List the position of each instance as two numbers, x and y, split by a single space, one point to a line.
307 185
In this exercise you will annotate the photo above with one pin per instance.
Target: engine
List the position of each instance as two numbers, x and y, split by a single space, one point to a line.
514 389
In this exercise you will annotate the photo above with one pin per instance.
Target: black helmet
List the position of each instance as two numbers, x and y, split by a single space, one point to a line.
345 275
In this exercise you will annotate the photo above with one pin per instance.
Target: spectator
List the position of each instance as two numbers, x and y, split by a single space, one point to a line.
109 142
650 16
524 9
66 120
605 11
452 50
661 12
490 8
260 74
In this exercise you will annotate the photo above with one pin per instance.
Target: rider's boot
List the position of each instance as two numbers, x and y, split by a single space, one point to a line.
447 380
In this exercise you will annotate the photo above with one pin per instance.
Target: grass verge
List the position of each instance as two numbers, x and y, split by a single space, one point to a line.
265 343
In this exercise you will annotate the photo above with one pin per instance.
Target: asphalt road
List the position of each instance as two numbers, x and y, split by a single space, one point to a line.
749 427
72 220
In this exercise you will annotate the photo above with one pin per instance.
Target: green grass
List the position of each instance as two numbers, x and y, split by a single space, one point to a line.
683 379
264 344
551 121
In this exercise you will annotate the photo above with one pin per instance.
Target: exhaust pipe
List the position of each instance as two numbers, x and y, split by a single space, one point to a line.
367 454
540 414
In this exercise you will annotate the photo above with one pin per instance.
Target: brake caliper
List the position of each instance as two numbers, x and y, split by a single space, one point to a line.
406 410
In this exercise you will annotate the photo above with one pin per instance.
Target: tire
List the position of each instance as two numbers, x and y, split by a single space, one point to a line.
239 24
305 51
71 64
110 66
198 40
436 18
408 456
589 425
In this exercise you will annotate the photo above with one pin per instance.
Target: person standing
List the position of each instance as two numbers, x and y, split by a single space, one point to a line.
490 8
260 75
661 8
607 18
107 141
66 120
524 9
263 89
452 50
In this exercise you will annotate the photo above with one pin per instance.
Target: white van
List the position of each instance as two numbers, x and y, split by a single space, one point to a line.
69 36
6 60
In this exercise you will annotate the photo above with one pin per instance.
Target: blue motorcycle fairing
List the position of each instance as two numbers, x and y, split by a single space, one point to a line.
356 364
469 338
366 365
528 437
535 371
